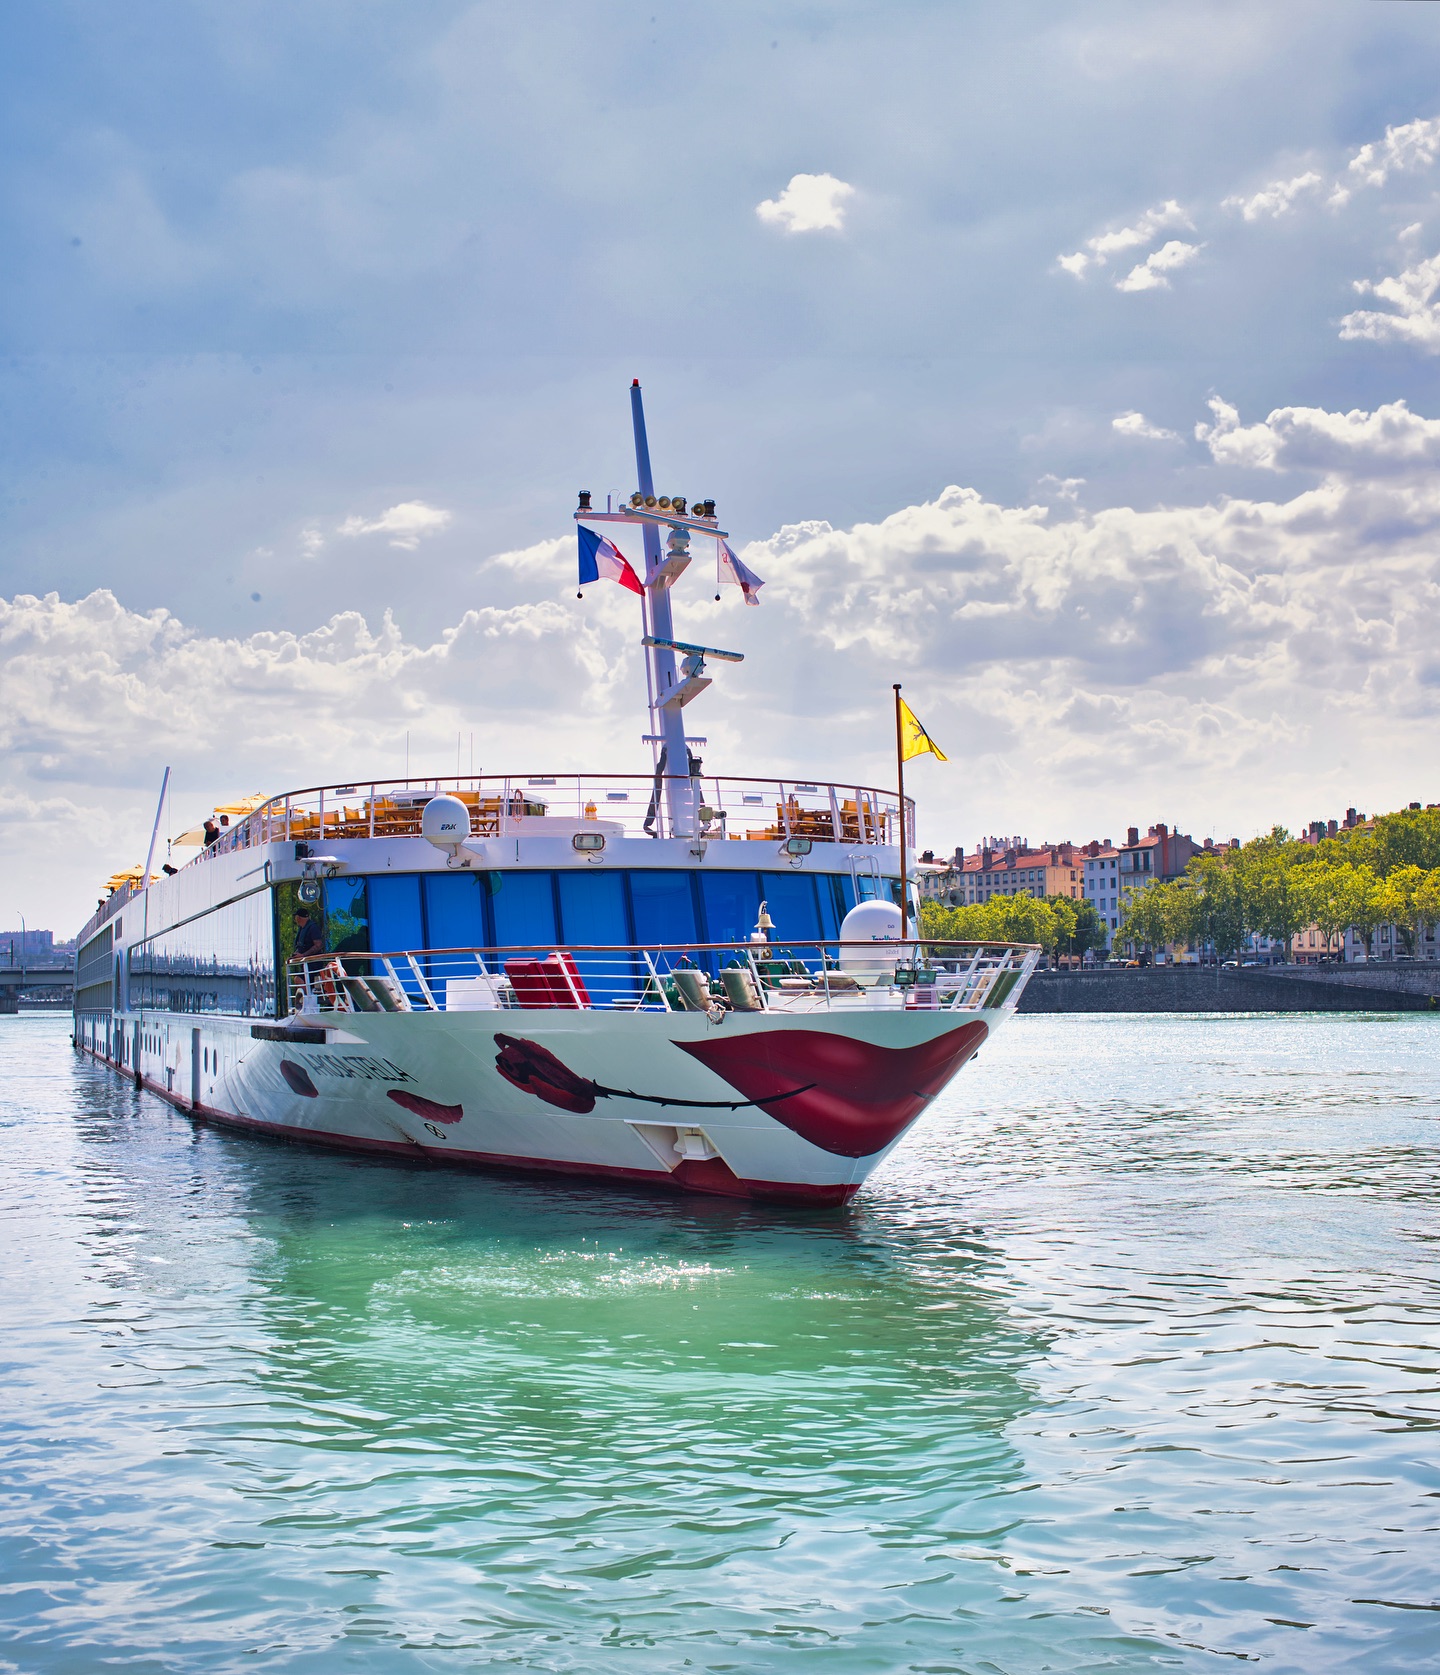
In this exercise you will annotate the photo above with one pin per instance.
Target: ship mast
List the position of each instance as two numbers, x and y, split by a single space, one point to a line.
667 723
676 669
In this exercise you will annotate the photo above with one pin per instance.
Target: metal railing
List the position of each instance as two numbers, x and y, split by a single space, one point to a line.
710 977
514 806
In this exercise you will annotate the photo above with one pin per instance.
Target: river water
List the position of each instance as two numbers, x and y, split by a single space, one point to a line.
1126 1361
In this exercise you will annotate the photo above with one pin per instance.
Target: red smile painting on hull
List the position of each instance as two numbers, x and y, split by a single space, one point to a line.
859 1096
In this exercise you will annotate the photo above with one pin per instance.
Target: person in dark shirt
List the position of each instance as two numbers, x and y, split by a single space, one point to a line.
212 833
309 947
307 935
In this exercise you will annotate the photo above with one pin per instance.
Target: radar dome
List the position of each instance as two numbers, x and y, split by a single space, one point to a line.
871 922
445 823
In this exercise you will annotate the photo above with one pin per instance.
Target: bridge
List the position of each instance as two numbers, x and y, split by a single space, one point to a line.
55 982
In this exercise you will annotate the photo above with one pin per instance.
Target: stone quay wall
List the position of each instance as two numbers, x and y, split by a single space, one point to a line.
1201 989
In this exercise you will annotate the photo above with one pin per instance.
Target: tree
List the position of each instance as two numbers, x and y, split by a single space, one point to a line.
1396 901
1410 837
1146 916
1216 911
1271 902
1336 896
1425 903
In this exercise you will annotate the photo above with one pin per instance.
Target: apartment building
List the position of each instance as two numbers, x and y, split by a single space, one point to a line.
1002 867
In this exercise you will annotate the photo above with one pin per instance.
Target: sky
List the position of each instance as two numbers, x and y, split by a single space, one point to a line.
1074 364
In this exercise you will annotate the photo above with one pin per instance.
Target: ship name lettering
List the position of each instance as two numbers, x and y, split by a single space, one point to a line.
357 1068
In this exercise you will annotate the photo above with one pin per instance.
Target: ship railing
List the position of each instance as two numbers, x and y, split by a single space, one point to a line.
713 809
710 977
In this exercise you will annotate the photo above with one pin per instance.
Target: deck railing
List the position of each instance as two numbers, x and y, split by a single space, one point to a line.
513 806
710 977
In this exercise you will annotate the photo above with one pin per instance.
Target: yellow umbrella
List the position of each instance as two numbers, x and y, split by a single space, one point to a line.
235 811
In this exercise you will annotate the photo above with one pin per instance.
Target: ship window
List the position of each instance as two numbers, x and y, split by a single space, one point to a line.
454 911
395 920
592 907
524 909
223 961
791 899
347 925
664 907
732 905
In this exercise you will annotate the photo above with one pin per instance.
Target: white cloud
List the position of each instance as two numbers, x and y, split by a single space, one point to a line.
1138 426
1416 319
407 523
1149 275
1415 145
1276 199
1391 441
311 541
1103 246
811 203
1239 649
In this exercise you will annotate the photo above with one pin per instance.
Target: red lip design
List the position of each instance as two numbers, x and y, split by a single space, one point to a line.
298 1079
857 1097
535 1069
426 1108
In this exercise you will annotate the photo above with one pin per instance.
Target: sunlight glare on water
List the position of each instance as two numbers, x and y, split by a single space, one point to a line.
1125 1361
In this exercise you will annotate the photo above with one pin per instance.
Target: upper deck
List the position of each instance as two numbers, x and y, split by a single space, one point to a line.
815 816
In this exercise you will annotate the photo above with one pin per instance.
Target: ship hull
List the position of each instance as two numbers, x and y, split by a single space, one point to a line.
789 1108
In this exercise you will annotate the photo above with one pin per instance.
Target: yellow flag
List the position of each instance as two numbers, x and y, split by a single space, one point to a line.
914 740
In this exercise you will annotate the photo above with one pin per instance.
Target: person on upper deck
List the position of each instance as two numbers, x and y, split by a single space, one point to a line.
212 832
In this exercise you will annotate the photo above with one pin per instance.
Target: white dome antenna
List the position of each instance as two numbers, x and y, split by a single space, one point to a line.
446 823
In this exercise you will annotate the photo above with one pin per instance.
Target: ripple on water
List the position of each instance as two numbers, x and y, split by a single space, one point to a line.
1127 1360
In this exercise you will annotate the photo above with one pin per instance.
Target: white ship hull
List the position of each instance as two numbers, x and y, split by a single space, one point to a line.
783 1107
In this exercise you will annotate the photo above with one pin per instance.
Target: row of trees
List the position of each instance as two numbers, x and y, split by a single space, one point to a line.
1275 886
1059 925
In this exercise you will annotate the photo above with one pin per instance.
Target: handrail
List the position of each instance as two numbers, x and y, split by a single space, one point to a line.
913 974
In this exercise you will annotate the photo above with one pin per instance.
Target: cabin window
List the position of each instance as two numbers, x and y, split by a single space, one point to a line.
592 907
524 909
793 905
223 961
664 907
395 920
732 905
347 924
454 912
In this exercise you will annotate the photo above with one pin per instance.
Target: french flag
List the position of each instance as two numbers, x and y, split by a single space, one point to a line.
602 560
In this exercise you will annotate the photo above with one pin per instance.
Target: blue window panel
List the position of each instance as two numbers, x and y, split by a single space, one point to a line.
835 903
790 900
593 909
732 904
454 911
524 910
346 928
664 906
395 920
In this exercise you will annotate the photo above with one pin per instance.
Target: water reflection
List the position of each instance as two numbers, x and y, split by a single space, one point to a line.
1110 1366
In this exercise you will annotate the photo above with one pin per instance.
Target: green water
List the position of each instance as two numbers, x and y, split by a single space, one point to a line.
1126 1361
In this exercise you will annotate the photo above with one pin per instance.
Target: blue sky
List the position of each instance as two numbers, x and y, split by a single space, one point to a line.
274 271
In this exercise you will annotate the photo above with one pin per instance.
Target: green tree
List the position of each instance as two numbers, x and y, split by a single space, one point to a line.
1426 901
1397 901
1216 911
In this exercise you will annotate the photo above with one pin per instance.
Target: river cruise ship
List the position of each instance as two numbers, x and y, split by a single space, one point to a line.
696 982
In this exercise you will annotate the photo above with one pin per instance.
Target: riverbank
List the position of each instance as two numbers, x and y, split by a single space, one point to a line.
1373 987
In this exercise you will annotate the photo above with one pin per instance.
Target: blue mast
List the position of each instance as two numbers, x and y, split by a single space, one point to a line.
668 724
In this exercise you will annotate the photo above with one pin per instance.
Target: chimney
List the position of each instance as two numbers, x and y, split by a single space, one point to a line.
1209 843
1332 827
1132 835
